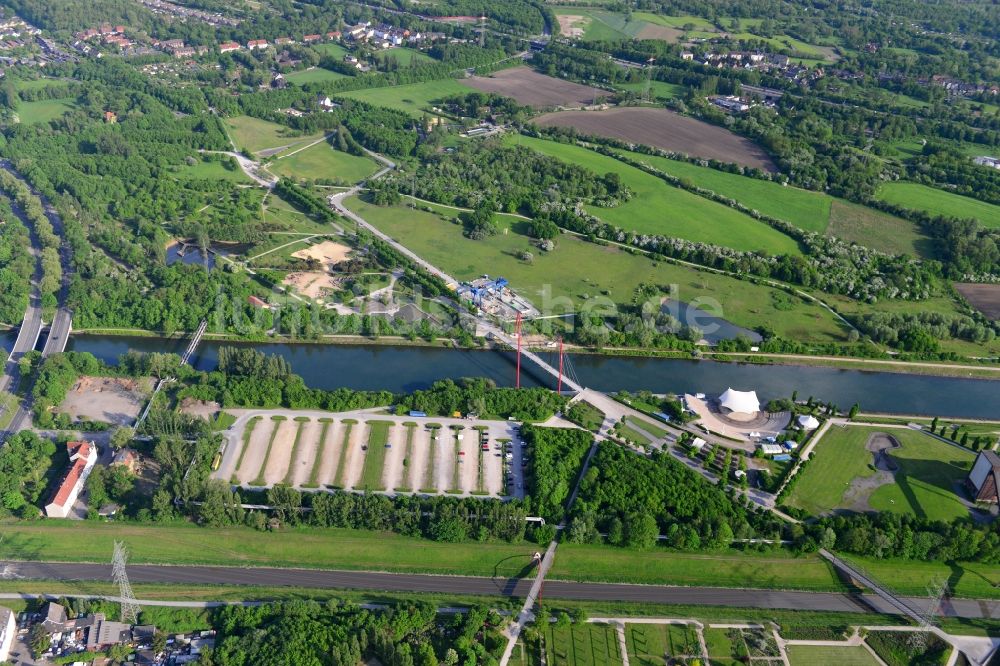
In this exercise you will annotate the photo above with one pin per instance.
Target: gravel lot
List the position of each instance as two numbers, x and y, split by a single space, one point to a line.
425 457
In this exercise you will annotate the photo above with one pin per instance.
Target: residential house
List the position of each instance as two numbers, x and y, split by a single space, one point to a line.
325 103
257 44
110 117
333 35
281 41
226 47
82 457
982 482
309 39
125 458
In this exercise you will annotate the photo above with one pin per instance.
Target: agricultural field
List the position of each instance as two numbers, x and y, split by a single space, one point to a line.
412 98
589 644
537 90
599 25
32 113
666 130
322 161
914 473
814 655
261 136
939 202
872 228
375 455
315 75
657 207
983 297
651 644
564 273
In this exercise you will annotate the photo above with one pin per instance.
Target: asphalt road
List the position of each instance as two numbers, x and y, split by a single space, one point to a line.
465 585
58 332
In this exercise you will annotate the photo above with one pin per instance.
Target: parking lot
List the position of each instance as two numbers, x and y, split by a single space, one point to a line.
370 451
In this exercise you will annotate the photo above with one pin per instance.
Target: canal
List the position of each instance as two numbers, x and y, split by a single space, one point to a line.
403 369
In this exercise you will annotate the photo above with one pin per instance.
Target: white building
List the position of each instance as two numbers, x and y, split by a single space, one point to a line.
8 629
82 457
739 402
808 422
985 161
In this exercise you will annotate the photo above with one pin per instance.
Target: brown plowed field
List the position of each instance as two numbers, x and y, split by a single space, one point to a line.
666 130
983 297
533 89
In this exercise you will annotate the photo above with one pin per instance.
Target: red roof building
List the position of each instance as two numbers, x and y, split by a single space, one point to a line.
226 47
257 44
82 457
311 38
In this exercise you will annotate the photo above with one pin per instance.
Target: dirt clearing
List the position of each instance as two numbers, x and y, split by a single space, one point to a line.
108 399
305 456
329 454
327 253
355 459
312 284
281 453
661 32
665 130
571 25
529 87
983 297
253 457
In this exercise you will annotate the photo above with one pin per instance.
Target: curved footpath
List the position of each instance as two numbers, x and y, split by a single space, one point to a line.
465 585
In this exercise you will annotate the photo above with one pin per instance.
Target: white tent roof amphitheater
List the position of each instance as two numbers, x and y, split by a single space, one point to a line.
741 402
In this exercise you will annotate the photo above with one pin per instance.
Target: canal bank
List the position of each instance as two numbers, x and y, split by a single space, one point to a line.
408 368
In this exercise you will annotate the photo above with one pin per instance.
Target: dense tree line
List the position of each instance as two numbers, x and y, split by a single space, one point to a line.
893 535
510 179
482 396
920 331
302 632
557 456
25 462
17 265
634 498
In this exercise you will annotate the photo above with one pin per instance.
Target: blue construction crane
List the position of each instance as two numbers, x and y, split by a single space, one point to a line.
477 293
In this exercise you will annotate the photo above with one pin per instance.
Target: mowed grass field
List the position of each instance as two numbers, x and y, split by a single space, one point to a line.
256 135
767 570
659 208
820 655
657 89
806 210
412 98
315 75
939 202
212 170
568 272
31 113
76 541
925 484
323 161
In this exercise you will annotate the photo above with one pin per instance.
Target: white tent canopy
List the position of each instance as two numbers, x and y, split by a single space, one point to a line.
808 422
741 402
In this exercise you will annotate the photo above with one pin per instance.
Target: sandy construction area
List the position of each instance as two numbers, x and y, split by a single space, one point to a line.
393 470
312 284
201 408
418 458
571 25
281 452
109 399
305 456
253 457
529 87
666 130
983 297
470 461
355 462
329 454
327 253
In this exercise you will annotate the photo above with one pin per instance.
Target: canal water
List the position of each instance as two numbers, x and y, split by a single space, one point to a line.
403 369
